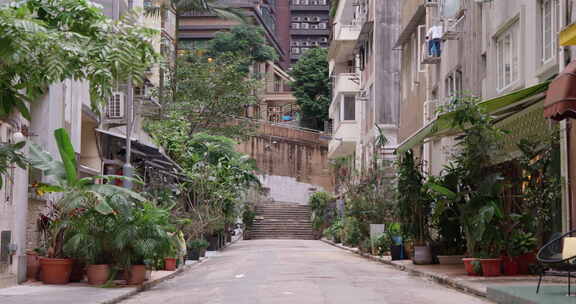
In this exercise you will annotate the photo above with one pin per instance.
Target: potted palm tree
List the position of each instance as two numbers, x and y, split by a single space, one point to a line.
414 207
76 197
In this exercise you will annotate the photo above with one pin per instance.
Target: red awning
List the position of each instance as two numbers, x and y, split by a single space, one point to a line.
561 97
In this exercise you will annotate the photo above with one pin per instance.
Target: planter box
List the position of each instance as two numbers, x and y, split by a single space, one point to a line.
450 259
396 251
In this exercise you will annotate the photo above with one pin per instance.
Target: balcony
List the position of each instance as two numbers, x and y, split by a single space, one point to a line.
344 40
345 82
344 138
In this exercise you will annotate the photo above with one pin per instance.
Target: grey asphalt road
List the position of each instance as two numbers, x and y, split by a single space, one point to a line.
296 272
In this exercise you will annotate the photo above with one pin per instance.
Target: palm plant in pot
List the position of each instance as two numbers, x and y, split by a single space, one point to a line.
414 207
142 237
196 248
73 197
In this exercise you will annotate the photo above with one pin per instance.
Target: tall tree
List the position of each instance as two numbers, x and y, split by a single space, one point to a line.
207 97
312 87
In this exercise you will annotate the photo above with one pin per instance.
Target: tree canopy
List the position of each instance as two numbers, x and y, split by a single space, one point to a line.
312 87
247 41
46 41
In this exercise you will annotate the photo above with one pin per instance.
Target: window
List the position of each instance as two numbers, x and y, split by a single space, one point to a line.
304 26
322 2
349 107
507 57
295 50
453 85
549 17
295 25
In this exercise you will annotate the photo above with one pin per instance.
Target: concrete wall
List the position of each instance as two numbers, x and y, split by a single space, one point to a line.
291 161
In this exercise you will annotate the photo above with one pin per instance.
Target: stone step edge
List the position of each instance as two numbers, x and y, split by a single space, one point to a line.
440 279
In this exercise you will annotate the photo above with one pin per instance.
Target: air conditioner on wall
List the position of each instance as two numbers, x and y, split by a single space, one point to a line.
115 106
296 19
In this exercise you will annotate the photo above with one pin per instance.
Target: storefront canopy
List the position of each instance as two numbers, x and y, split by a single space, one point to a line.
561 97
443 124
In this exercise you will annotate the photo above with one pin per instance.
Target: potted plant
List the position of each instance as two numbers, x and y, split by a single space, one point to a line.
77 197
396 243
248 216
414 207
195 248
521 252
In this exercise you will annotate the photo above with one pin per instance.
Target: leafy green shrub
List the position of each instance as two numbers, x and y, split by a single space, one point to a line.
321 212
334 232
198 244
248 216
382 244
351 233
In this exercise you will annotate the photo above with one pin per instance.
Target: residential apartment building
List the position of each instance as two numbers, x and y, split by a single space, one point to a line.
309 26
365 77
99 141
504 53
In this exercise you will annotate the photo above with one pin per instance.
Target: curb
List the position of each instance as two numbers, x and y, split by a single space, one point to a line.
443 280
150 284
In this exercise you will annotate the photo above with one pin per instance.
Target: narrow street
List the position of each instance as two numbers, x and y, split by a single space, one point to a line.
295 271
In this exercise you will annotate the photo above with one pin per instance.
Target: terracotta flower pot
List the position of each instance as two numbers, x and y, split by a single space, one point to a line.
470 266
137 274
32 265
170 264
491 267
97 274
56 271
78 271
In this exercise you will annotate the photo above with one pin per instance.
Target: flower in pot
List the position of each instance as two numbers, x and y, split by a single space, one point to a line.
396 243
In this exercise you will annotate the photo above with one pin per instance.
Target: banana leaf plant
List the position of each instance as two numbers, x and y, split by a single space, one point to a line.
73 195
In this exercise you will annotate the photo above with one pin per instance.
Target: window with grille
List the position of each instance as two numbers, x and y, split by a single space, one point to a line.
115 107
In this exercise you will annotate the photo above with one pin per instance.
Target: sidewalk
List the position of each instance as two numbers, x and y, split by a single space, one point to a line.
503 289
76 293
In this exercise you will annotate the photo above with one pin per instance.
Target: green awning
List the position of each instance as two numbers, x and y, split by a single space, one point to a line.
442 125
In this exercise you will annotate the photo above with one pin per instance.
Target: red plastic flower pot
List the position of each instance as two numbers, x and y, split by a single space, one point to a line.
469 265
510 266
524 261
491 267
170 264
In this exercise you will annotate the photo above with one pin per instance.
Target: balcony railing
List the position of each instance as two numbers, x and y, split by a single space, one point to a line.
349 31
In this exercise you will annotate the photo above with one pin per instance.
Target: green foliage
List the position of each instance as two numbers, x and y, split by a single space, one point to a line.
471 185
77 195
312 87
521 243
352 235
382 244
198 244
542 184
335 230
243 41
248 216
205 96
414 202
46 41
10 154
322 213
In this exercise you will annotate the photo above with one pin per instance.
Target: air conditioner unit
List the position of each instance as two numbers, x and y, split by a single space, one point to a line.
296 19
295 43
317 19
306 18
322 26
315 43
314 26
115 106
324 39
304 43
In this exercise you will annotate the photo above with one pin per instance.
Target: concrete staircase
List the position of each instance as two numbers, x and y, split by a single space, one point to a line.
279 220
